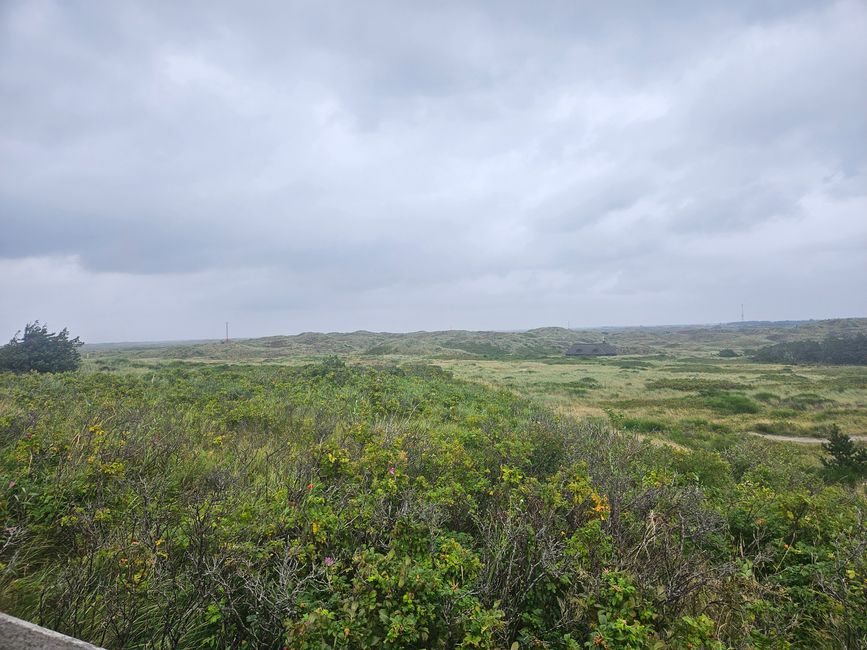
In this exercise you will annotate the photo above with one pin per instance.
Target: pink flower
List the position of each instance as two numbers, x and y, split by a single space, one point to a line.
11 484
391 470
329 561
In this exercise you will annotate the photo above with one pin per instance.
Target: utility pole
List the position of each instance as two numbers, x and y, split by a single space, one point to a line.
742 313
227 331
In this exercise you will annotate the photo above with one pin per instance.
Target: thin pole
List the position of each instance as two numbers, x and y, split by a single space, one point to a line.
227 331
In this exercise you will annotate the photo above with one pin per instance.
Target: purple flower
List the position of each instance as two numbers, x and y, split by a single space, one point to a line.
391 470
329 561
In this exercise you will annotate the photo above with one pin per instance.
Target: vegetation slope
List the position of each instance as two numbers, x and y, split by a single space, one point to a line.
461 344
325 505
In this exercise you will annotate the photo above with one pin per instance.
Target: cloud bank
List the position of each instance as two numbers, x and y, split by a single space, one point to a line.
399 166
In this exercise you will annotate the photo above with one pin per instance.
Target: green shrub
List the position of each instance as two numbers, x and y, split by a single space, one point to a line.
41 350
846 460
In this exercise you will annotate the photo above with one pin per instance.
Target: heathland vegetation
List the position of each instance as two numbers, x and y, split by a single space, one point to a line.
850 351
468 495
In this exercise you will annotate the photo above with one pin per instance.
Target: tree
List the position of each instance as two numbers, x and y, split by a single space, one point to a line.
41 350
847 461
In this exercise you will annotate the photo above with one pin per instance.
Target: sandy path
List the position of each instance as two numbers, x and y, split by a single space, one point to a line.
801 440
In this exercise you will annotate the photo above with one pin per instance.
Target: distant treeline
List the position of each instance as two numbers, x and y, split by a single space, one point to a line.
833 350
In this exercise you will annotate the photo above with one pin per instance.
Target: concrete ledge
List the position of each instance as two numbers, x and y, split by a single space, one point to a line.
16 634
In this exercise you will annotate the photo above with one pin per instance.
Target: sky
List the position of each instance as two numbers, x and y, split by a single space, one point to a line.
397 166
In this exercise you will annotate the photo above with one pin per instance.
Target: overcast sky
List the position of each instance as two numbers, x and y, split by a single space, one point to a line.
291 166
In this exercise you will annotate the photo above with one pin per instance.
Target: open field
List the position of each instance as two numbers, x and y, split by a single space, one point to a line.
669 383
252 495
696 401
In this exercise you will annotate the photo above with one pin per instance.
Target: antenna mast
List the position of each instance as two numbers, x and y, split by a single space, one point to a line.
227 331
742 315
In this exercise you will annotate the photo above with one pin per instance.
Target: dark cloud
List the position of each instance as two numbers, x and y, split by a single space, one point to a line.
391 165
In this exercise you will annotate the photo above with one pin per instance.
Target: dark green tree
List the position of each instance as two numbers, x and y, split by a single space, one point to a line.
41 350
847 460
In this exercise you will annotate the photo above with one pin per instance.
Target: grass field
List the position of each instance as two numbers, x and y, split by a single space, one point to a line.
670 384
695 401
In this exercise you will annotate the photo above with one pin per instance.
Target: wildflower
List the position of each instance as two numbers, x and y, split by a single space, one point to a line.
391 470
310 486
329 561
11 484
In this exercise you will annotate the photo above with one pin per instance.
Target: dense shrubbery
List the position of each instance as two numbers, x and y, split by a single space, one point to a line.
833 350
41 350
334 506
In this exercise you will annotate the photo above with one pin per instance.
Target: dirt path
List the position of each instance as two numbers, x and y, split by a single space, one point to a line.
801 440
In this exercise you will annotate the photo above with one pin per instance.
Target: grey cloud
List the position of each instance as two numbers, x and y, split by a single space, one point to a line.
464 159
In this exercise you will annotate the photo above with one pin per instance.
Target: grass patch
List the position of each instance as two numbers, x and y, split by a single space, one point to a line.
806 402
701 434
642 425
787 428
630 364
851 382
693 384
730 403
696 367
785 376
